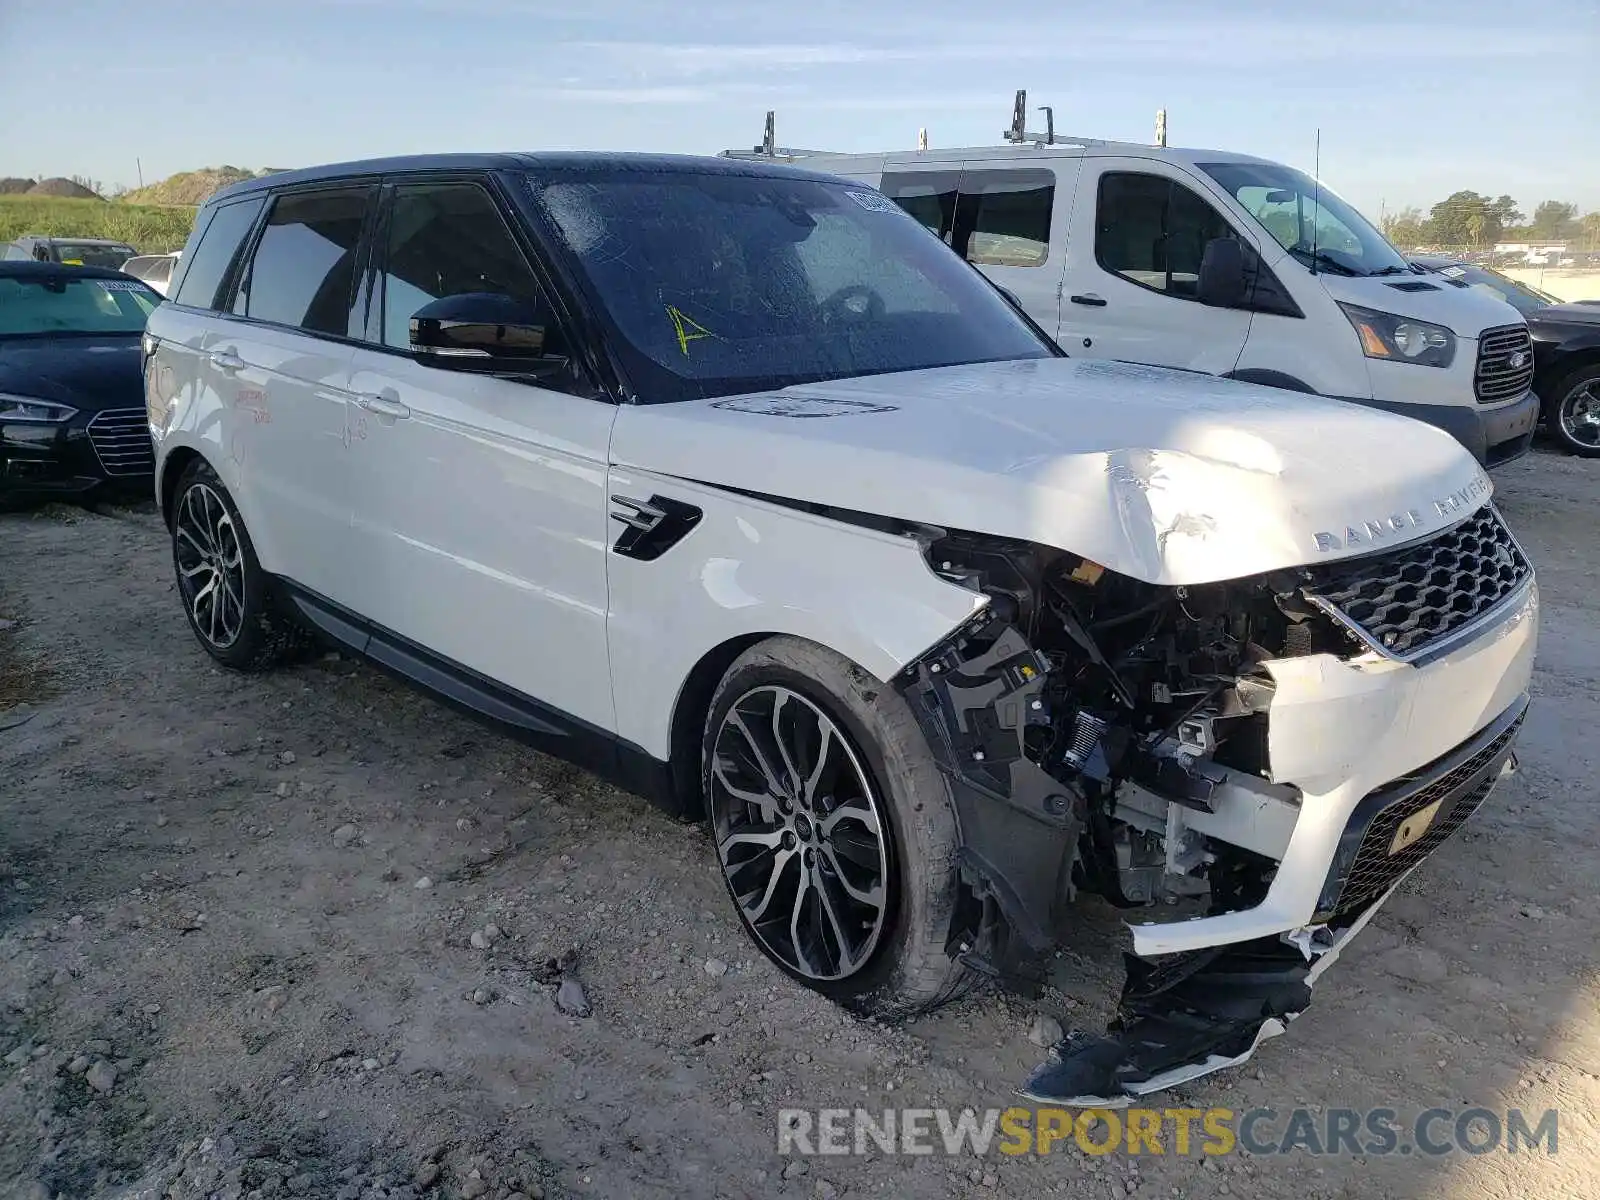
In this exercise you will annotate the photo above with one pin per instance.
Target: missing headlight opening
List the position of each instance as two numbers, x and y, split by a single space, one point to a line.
1107 736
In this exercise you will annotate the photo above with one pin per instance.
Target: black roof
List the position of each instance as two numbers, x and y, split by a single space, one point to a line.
71 241
21 268
565 162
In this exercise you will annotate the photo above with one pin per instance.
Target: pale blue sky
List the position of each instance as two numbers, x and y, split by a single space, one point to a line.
1415 100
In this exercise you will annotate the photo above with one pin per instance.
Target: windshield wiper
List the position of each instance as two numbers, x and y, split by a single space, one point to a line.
1321 259
1392 271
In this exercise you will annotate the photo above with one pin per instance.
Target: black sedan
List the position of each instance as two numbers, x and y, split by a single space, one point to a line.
1566 349
72 416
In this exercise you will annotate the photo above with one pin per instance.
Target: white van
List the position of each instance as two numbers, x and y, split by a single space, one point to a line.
1216 262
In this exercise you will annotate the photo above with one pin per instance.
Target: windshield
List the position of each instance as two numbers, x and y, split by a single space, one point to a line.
718 284
61 304
1309 221
76 254
1520 296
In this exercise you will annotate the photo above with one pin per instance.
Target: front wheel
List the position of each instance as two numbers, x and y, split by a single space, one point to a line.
834 828
1575 412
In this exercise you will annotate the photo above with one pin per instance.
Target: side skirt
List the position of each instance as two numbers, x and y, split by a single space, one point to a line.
530 721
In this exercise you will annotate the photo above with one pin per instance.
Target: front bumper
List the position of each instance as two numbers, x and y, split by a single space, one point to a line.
93 452
1356 737
1495 434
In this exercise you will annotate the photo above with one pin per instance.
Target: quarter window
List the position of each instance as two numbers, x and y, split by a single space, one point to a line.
304 267
206 264
447 240
930 197
1153 231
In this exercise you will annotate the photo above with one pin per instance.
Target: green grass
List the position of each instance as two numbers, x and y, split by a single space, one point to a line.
149 229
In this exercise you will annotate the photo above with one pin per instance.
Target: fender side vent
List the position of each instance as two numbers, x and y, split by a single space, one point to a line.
652 527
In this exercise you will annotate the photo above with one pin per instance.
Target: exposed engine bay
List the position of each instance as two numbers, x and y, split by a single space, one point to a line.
1100 733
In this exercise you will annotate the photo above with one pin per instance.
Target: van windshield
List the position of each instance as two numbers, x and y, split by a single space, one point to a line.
1308 221
91 254
721 283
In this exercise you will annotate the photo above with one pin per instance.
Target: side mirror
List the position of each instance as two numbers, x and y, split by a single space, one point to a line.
482 331
1222 281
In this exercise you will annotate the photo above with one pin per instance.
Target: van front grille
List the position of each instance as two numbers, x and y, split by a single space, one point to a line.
1505 364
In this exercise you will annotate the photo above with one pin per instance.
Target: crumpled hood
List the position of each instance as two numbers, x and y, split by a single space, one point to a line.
1163 475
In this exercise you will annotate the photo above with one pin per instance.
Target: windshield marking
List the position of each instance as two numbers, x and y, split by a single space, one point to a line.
687 328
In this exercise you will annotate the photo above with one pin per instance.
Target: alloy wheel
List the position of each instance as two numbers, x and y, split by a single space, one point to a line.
799 833
210 565
1580 414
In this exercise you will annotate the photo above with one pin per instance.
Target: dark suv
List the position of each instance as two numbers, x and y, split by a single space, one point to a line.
72 252
1566 349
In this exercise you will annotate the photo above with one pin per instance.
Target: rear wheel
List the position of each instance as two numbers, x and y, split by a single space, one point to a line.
834 828
1575 412
226 595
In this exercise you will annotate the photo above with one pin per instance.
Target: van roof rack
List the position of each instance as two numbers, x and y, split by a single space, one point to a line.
1017 134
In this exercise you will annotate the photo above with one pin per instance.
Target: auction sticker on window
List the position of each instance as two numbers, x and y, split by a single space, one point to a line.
872 201
121 285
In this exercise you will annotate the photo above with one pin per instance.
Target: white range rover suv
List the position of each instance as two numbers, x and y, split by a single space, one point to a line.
731 483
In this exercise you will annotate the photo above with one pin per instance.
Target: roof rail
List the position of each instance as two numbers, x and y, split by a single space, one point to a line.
1017 135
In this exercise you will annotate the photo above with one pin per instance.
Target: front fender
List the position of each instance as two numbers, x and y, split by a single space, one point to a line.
749 567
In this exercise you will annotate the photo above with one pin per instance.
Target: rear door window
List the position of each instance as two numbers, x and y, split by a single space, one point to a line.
1003 217
303 271
214 252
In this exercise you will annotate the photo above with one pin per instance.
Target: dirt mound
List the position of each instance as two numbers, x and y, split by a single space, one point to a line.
12 186
191 187
63 187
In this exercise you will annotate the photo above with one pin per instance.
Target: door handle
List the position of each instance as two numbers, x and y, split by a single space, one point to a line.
1090 299
226 360
382 406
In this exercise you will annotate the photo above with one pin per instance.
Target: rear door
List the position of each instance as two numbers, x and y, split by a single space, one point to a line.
1001 217
284 362
1139 229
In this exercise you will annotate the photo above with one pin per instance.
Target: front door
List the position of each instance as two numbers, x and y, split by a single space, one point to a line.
1132 282
479 506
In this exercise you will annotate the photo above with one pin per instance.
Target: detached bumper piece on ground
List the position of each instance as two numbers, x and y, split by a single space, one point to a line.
1186 1015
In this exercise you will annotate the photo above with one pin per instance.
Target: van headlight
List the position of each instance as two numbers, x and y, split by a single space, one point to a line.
1401 339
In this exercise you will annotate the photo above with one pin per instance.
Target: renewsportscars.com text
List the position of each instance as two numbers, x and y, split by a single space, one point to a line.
1177 1131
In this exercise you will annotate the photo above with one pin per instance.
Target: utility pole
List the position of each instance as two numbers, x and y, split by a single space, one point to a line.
139 167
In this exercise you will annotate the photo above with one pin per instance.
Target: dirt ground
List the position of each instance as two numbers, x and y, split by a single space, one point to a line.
237 952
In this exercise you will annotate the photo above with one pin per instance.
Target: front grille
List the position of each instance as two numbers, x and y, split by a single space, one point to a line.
1412 600
1368 863
1505 364
121 441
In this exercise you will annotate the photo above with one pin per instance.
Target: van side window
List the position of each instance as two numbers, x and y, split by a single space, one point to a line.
447 239
207 265
304 267
1152 231
1003 217
929 196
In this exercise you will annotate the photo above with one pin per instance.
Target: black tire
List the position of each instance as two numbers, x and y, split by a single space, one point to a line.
1580 389
244 629
908 969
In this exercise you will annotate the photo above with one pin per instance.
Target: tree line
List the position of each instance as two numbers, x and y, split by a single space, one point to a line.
1468 219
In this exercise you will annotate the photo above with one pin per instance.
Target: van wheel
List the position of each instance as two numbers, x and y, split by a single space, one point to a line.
1575 414
226 595
834 828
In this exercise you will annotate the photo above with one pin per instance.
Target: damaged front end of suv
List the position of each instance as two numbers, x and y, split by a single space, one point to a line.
1248 767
